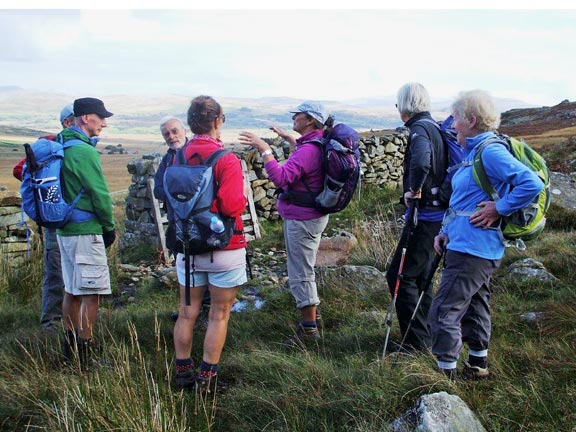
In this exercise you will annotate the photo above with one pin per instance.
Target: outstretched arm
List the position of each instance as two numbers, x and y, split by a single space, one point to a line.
248 138
284 135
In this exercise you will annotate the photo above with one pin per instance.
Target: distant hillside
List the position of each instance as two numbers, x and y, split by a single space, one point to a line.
140 115
550 130
534 121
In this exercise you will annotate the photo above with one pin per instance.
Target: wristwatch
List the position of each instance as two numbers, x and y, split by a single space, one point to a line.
266 152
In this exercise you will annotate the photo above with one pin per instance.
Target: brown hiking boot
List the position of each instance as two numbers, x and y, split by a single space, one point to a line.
319 320
471 372
185 380
303 337
211 385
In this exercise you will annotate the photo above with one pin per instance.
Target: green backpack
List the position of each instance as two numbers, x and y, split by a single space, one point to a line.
527 223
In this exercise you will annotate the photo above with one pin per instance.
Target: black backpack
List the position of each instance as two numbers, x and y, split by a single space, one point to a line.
440 193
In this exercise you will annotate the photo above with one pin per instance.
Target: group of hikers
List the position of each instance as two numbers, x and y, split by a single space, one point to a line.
464 230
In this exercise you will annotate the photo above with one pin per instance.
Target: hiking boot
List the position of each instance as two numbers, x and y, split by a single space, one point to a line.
211 385
319 320
452 374
69 346
89 352
185 380
304 336
471 372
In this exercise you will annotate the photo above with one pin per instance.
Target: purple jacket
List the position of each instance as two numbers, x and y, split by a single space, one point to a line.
304 163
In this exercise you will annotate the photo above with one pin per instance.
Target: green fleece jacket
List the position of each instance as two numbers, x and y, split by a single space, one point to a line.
82 168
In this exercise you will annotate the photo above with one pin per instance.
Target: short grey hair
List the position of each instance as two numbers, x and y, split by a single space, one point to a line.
168 118
413 98
478 104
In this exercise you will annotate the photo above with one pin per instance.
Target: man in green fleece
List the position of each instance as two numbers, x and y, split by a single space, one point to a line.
82 244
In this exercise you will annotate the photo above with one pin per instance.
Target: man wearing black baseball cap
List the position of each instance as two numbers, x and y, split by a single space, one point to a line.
82 243
88 105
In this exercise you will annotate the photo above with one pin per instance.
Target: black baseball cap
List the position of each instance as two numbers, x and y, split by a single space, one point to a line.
90 105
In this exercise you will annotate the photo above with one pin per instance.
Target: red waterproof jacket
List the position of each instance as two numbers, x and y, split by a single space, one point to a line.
17 170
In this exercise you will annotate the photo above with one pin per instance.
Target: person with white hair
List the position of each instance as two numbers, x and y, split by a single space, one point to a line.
300 177
174 134
460 311
425 165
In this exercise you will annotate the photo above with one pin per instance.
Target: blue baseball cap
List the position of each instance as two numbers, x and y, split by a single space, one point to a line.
66 112
314 110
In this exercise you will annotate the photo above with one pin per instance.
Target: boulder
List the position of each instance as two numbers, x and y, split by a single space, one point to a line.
363 279
528 269
335 251
563 190
438 412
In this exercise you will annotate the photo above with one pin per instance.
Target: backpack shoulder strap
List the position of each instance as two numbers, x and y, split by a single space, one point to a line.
180 158
478 170
428 121
70 143
215 157
434 162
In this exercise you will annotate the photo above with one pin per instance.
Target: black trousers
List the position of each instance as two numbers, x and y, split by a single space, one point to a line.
419 256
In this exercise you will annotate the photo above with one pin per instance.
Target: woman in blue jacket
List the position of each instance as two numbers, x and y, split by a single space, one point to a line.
474 248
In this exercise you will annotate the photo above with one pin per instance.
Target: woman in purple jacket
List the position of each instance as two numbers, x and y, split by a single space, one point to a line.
300 178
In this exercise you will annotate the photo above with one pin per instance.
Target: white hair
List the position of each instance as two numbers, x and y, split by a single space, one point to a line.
168 118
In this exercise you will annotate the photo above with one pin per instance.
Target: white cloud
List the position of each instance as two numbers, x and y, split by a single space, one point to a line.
317 54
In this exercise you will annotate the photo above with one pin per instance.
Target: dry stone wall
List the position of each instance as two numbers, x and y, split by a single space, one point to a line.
13 238
140 223
381 158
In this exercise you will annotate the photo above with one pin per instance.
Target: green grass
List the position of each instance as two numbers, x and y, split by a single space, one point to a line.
340 385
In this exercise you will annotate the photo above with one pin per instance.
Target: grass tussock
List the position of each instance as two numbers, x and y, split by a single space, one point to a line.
340 384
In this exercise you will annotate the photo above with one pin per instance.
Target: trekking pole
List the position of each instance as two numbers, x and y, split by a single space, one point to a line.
404 239
428 286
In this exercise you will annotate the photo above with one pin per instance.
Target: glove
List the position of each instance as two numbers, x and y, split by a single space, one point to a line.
108 237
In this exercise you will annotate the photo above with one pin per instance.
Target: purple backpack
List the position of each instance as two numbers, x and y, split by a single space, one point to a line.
340 166
340 170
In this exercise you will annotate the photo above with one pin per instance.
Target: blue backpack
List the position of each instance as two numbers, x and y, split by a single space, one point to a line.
189 191
454 153
41 189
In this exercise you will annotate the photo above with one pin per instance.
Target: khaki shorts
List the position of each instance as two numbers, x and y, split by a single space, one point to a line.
84 265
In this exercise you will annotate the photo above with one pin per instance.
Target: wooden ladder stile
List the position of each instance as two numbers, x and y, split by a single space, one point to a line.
249 218
159 220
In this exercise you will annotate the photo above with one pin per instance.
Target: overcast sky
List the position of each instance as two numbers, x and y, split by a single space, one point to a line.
528 55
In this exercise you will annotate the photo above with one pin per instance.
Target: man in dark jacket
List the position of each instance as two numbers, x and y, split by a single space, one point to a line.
174 133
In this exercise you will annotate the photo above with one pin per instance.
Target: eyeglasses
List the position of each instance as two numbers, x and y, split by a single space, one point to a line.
223 117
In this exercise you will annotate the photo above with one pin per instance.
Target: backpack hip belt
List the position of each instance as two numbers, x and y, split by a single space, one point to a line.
451 214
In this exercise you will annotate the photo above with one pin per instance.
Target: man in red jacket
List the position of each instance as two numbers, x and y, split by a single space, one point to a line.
52 283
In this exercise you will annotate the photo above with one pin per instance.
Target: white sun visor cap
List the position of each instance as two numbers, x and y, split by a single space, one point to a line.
314 110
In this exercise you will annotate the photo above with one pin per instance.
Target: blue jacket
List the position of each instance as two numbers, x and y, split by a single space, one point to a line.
503 171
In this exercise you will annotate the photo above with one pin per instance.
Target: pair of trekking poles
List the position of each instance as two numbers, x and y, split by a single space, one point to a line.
411 223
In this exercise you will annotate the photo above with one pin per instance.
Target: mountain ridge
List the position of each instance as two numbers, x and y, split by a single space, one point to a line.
142 114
